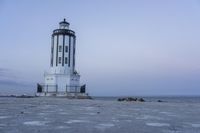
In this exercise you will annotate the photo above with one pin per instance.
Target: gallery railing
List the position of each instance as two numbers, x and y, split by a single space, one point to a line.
75 88
54 88
47 88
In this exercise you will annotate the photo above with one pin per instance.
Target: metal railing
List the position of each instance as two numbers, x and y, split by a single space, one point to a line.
47 88
72 89
55 88
65 31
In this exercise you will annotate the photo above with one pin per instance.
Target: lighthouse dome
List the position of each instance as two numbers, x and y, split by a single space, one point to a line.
64 24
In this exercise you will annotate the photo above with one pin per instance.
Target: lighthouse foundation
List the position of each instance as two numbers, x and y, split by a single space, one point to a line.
62 85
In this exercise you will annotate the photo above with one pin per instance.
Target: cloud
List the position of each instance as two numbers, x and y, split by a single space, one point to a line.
7 77
3 70
14 86
5 73
7 82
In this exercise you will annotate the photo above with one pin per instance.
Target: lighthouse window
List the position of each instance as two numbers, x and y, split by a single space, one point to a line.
66 49
59 60
65 60
60 48
66 39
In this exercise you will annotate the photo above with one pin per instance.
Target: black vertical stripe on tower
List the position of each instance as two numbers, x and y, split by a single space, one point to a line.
57 51
69 50
63 51
74 43
53 51
52 48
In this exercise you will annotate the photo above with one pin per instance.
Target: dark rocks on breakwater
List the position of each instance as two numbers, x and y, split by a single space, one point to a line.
18 96
25 96
161 101
129 99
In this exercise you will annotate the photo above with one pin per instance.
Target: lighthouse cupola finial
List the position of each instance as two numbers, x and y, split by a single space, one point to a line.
64 24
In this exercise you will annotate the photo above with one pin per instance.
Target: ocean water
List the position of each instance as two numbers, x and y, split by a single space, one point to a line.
100 115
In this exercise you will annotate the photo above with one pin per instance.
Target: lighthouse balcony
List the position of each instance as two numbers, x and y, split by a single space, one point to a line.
63 31
55 89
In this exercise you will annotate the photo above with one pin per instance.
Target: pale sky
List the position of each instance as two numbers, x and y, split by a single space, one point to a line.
124 47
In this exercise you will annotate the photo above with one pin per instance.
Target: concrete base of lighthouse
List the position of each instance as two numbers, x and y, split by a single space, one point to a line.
78 95
66 95
62 85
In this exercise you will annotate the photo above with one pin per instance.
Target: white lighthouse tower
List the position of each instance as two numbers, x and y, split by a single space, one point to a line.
62 78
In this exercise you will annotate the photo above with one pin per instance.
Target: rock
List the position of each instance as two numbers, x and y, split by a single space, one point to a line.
129 99
24 96
119 99
141 100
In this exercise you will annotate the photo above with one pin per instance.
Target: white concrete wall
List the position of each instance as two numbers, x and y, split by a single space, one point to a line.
61 80
50 82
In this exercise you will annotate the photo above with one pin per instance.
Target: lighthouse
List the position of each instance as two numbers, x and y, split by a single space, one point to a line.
62 79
